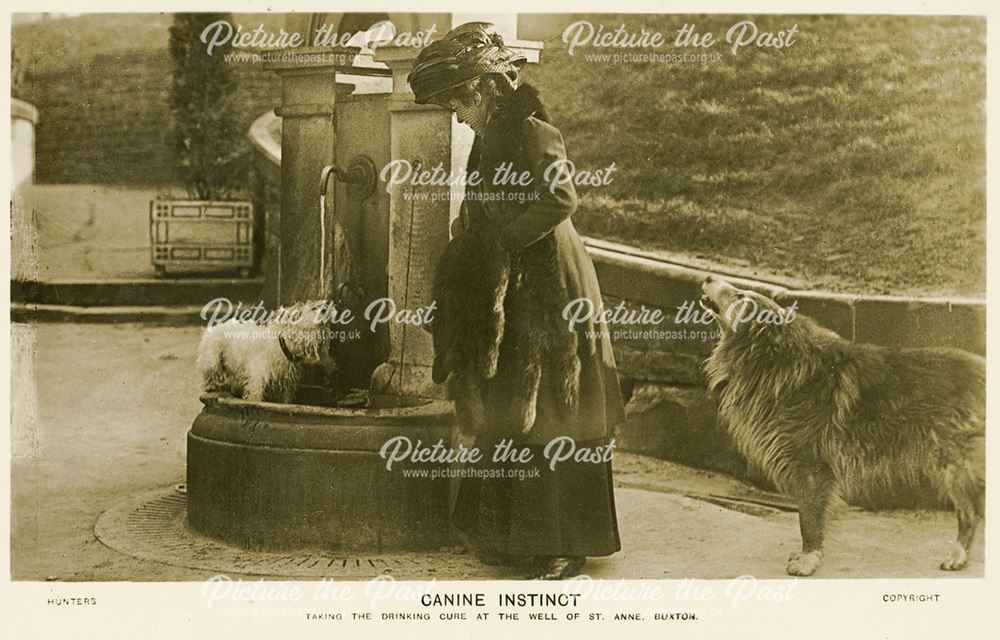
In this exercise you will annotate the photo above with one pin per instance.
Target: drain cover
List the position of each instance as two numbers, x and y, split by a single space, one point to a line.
153 526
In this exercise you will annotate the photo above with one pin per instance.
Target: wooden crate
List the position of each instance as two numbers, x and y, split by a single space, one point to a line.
201 235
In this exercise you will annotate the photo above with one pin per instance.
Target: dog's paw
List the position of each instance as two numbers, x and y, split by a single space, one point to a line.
957 559
803 564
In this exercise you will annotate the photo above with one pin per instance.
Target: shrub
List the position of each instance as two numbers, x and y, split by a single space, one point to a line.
206 137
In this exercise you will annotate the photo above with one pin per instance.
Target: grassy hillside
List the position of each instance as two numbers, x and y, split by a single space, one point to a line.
854 159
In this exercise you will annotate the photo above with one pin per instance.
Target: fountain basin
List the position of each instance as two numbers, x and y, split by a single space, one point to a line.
275 476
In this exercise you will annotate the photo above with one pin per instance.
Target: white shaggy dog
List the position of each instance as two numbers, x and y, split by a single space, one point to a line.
263 361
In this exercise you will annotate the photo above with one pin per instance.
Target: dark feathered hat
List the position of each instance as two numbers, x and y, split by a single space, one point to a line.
464 53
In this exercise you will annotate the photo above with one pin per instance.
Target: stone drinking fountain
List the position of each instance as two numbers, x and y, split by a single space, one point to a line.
275 476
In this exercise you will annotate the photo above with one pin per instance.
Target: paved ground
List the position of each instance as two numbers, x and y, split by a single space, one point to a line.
114 404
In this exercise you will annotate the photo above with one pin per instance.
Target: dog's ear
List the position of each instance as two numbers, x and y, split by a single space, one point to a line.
320 306
718 386
305 341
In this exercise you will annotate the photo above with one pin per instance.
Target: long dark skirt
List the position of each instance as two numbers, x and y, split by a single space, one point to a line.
528 509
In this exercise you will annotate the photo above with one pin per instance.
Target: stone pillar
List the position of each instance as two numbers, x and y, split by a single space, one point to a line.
24 235
419 228
308 98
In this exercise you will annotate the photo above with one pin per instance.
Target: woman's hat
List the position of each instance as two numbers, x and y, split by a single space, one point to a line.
464 53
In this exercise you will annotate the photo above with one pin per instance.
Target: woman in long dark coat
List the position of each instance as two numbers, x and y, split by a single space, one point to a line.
515 369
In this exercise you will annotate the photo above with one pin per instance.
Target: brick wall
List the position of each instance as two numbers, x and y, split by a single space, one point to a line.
106 119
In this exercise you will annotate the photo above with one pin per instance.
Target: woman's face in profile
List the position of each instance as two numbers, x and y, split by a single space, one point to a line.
470 111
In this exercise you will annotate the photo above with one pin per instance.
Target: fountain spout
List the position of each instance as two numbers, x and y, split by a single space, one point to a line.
360 173
324 178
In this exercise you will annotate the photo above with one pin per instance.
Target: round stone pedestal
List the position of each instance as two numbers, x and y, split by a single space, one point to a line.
272 476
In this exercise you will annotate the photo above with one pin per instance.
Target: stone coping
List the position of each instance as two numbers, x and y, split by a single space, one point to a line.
412 410
299 426
19 109
139 292
897 321
777 285
260 135
624 274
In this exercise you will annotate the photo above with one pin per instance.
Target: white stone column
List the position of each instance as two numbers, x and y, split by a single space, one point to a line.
24 235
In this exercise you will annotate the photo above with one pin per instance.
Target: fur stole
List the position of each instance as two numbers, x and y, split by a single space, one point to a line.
498 331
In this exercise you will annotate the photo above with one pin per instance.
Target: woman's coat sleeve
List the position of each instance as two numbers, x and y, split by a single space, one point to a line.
543 146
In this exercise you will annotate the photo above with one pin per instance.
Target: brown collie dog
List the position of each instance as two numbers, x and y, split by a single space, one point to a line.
822 416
